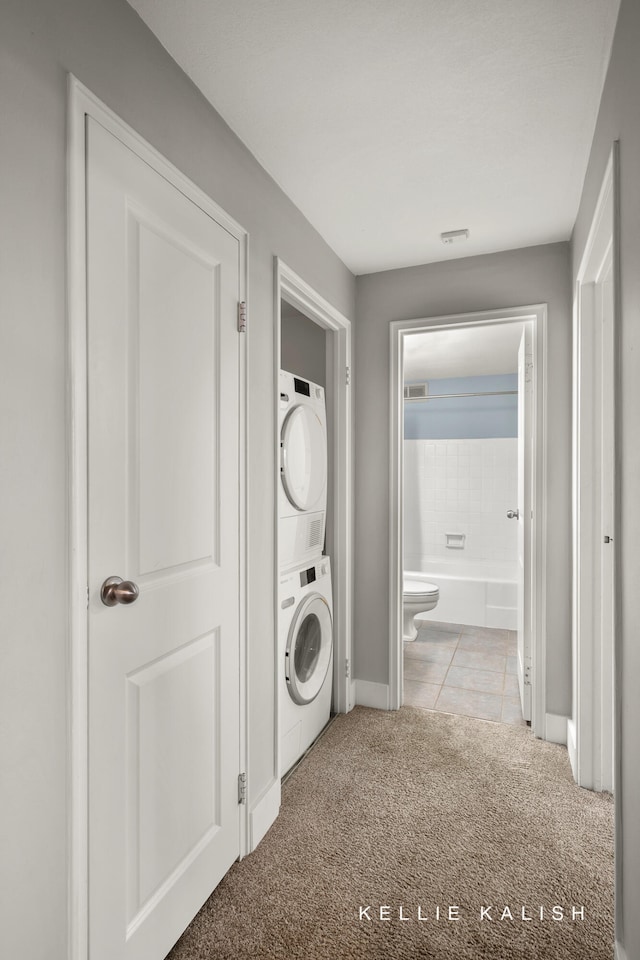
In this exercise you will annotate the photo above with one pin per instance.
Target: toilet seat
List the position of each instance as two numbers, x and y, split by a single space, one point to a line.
417 590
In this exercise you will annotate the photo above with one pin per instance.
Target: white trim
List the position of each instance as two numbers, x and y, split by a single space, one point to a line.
265 811
243 536
572 749
619 951
539 526
593 649
537 314
595 246
555 728
617 640
396 560
77 507
370 694
292 288
83 103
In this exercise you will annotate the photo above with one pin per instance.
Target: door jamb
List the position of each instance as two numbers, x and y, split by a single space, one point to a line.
537 313
292 288
83 103
587 752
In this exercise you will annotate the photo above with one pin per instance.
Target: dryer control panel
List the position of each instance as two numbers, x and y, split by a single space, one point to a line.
307 576
302 386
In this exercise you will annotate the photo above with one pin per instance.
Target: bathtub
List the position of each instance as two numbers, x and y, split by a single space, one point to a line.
478 593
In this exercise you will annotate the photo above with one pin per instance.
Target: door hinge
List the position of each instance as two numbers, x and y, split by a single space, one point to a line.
242 788
242 316
608 539
527 674
347 375
347 669
528 370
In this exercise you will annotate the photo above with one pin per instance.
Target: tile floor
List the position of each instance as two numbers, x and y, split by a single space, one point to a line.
453 668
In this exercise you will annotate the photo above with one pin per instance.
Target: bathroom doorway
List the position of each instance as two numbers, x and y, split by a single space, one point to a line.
467 515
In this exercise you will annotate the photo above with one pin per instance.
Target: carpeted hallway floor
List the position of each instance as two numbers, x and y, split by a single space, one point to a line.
416 810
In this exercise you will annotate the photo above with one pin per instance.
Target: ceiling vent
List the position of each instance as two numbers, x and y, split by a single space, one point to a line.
454 236
416 391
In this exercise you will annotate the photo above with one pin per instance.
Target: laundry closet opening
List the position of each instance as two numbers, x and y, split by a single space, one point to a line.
466 455
312 454
305 607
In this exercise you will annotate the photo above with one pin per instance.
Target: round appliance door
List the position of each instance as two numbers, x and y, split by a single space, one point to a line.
304 457
308 649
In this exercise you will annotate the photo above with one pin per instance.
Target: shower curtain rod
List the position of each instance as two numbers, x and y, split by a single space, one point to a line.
452 396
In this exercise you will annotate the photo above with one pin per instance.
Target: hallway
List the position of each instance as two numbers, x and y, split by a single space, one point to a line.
413 811
412 164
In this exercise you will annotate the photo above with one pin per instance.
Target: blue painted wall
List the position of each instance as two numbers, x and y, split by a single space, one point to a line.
466 417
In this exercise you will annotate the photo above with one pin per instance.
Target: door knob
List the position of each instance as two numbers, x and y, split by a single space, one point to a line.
513 514
116 590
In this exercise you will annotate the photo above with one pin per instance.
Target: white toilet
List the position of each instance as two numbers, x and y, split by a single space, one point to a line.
417 597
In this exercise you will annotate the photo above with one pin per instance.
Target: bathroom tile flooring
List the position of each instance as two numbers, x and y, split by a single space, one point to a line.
453 668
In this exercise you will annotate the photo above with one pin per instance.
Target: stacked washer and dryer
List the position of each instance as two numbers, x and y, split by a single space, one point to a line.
305 634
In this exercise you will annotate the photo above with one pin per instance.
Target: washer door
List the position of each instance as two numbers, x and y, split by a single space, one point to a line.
308 649
304 457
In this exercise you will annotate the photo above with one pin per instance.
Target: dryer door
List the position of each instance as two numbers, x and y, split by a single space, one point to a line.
304 457
308 651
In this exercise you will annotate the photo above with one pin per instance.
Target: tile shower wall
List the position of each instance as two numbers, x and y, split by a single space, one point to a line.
459 487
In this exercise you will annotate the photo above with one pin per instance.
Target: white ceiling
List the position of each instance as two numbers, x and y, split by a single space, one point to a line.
388 122
469 352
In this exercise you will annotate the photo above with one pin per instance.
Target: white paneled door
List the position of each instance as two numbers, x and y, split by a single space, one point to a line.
163 416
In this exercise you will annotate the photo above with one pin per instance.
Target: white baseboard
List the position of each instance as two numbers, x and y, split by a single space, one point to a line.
352 696
369 694
555 728
502 618
619 951
572 747
264 814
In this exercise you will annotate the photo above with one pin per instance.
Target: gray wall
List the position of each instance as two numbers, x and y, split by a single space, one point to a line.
108 48
619 118
303 346
514 278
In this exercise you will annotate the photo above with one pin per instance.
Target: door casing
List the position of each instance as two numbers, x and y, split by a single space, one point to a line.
537 315
526 426
593 727
82 103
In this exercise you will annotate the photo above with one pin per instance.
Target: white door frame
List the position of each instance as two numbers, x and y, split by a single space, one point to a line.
399 329
82 103
292 288
591 729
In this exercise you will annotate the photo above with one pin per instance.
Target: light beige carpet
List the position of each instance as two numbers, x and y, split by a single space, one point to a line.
419 810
